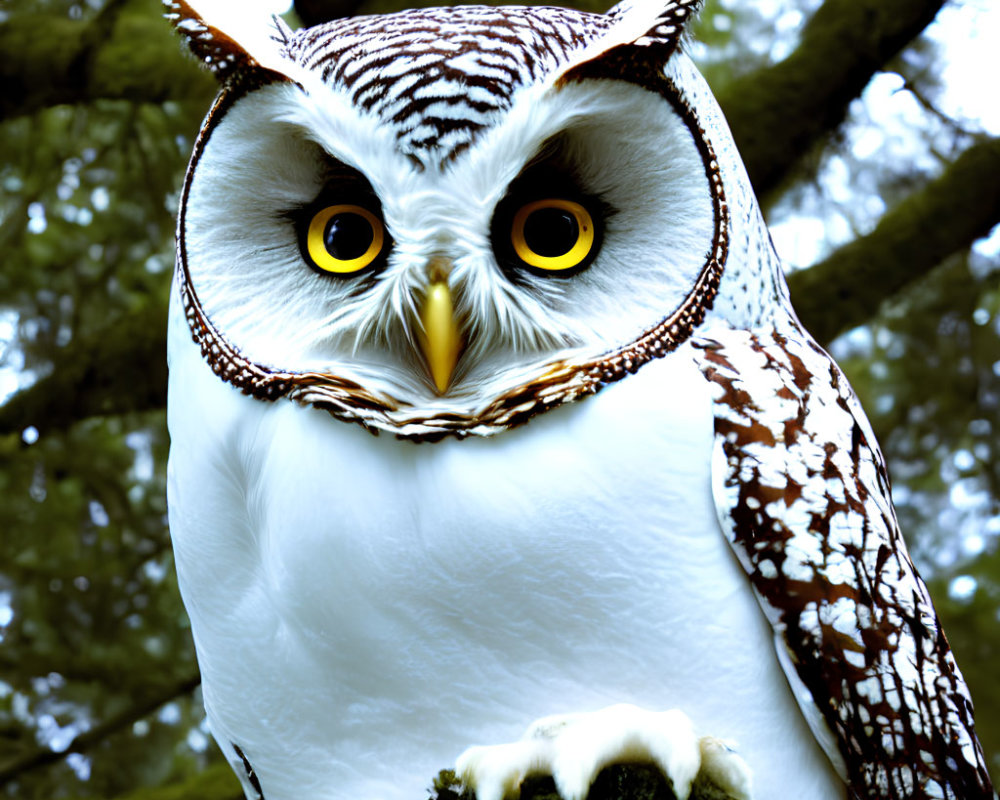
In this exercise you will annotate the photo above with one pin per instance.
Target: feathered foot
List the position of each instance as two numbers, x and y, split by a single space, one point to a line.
574 748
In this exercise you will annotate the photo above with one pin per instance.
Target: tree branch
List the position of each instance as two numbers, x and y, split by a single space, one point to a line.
117 370
779 113
313 12
616 782
44 756
946 216
122 54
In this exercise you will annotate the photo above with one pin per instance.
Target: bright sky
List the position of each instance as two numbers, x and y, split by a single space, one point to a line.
263 7
970 32
889 126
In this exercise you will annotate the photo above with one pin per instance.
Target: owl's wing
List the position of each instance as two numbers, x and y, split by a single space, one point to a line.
803 497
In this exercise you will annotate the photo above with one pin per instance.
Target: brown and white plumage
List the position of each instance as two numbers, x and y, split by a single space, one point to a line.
804 498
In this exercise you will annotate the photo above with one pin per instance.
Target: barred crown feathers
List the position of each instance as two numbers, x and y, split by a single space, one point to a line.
439 75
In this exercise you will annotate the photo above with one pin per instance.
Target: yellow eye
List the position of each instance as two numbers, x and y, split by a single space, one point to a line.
552 234
344 239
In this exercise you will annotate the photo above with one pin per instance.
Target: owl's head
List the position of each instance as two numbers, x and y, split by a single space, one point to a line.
447 220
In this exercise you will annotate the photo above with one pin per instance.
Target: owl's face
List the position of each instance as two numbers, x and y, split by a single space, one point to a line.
430 214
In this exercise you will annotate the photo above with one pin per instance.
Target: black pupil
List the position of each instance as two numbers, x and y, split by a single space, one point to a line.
348 236
551 232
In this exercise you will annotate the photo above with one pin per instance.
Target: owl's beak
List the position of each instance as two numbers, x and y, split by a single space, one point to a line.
441 340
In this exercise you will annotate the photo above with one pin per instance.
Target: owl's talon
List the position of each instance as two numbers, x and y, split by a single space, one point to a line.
723 767
496 771
574 748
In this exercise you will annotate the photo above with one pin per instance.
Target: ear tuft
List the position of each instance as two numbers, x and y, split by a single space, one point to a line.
215 49
281 34
228 39
657 24
642 31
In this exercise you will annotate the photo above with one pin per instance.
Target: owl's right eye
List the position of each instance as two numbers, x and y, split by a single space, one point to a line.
553 235
547 225
344 239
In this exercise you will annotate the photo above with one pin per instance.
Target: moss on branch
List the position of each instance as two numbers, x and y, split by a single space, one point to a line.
779 113
128 52
946 216
114 371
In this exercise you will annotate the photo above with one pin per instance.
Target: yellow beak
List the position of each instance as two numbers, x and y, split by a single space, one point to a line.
441 341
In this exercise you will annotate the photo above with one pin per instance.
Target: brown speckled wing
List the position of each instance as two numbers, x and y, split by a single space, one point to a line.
803 496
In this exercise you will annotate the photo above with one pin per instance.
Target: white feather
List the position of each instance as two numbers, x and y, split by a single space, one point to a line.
337 585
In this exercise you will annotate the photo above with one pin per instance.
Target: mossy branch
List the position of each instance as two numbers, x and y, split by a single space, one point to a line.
143 707
946 216
127 53
617 782
778 113
114 371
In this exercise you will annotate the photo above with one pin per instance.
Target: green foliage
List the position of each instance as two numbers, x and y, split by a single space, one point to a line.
216 782
97 630
971 623
97 623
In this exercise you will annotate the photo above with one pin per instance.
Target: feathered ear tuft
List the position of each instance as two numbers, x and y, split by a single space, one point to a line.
282 33
225 42
661 22
646 31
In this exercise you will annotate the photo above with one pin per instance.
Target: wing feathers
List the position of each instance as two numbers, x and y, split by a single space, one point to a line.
804 498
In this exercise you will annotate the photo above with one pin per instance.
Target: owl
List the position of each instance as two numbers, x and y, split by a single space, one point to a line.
489 410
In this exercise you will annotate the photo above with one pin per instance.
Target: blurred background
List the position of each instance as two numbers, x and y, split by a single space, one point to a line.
869 128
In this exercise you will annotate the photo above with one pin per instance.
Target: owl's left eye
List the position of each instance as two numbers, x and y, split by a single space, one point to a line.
344 239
